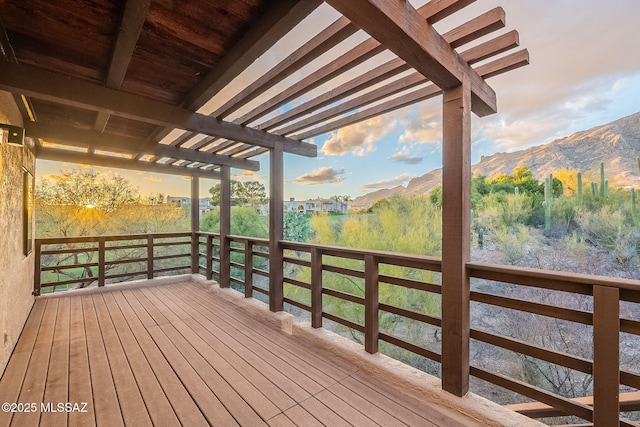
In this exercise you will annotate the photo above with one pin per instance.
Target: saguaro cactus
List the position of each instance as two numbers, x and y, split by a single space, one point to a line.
579 189
634 207
594 188
602 183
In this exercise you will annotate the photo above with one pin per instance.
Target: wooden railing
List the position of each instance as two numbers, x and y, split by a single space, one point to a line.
83 261
609 308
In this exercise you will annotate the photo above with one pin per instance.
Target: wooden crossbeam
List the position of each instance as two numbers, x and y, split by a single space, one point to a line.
133 18
68 135
400 28
321 43
432 12
68 156
471 30
278 19
59 88
515 60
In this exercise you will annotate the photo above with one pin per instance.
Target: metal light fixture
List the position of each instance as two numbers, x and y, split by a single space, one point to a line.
15 134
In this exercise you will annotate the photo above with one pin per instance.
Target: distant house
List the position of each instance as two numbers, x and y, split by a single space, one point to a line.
319 205
204 203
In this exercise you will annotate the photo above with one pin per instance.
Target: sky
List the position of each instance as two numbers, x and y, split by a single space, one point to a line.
584 71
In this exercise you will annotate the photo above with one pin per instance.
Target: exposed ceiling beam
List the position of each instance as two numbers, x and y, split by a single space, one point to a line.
471 30
133 18
475 54
278 19
400 28
68 135
68 156
494 68
73 92
433 11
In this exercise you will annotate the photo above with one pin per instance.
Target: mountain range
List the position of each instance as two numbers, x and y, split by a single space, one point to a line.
616 144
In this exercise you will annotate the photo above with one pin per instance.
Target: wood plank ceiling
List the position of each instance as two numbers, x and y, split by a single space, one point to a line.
138 83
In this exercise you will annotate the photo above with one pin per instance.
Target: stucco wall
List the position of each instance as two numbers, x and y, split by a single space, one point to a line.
16 269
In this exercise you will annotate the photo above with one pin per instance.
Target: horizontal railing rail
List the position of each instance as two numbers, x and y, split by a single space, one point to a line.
593 301
83 261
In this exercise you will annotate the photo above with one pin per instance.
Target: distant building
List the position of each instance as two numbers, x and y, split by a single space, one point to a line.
319 205
204 203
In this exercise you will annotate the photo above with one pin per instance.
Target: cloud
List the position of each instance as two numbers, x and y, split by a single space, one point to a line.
323 175
359 138
248 176
424 126
404 156
388 183
153 178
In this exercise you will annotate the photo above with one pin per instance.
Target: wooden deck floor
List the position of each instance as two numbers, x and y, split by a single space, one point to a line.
177 355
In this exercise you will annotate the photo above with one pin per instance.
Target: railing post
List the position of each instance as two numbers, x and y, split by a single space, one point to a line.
456 235
36 271
606 356
371 301
209 260
276 190
248 268
195 253
101 260
150 256
316 287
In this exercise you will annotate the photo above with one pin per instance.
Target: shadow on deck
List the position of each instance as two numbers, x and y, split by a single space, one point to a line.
176 354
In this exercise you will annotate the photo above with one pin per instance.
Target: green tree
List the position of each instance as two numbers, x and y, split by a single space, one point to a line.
252 192
297 227
244 222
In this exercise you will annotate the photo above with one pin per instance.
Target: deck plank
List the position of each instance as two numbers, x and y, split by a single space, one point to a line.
286 379
134 411
185 408
79 374
15 371
280 420
156 401
324 414
57 385
149 307
301 417
35 378
211 407
344 409
241 411
260 340
105 398
364 406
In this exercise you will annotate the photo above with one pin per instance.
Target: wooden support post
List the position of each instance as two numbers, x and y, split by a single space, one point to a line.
195 224
456 207
371 301
225 226
209 261
37 279
276 190
150 256
606 356
248 269
101 260
316 287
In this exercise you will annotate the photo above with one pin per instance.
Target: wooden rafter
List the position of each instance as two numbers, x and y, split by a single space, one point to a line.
398 26
432 11
499 66
77 93
68 135
57 155
276 22
133 18
473 29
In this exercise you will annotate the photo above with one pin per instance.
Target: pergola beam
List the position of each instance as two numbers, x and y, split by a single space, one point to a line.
471 30
69 156
73 92
399 27
494 68
133 18
69 135
432 12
